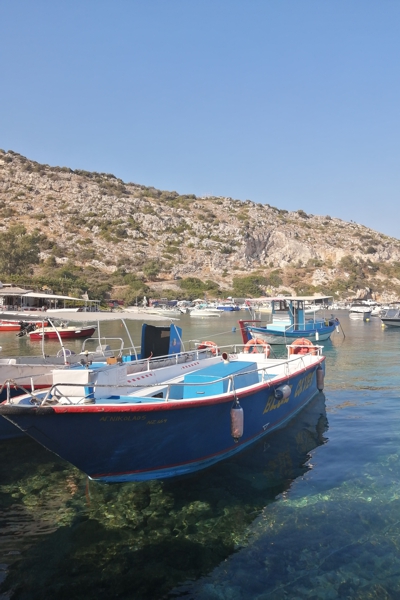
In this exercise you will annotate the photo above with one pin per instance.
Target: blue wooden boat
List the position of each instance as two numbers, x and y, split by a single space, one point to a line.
290 322
175 421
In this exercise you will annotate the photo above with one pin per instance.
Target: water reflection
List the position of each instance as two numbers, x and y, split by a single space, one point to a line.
138 540
337 533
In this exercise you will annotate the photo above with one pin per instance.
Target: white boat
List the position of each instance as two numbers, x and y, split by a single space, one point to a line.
165 311
391 317
312 308
263 307
360 312
205 310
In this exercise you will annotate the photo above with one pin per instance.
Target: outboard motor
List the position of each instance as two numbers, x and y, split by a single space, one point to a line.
25 328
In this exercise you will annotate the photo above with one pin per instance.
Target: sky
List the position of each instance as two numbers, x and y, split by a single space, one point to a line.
293 103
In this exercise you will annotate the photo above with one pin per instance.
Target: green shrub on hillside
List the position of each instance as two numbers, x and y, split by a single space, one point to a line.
19 251
251 285
195 288
151 269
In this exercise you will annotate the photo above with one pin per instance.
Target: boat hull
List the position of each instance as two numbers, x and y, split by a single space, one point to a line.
65 334
138 442
13 325
9 326
360 316
9 431
391 322
205 313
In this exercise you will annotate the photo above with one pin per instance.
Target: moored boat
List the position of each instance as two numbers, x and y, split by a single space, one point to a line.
391 317
290 322
168 425
228 306
65 332
204 310
13 325
10 326
166 311
360 311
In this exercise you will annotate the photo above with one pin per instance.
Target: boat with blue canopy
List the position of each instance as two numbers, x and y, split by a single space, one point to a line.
290 321
170 421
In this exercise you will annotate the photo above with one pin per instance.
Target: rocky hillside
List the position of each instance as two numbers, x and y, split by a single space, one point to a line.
97 220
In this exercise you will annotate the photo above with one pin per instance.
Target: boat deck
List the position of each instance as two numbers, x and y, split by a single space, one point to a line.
102 385
217 379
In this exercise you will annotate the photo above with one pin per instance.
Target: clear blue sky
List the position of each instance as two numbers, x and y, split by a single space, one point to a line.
294 103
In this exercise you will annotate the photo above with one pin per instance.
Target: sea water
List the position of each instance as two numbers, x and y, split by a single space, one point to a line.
310 512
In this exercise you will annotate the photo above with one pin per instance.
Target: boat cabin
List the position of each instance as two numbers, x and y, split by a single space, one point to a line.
160 341
291 310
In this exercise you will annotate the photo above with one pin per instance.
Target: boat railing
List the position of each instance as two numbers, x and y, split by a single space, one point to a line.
267 374
151 363
104 346
177 358
14 384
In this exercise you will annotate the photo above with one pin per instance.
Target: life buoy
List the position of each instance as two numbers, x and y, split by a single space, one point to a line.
210 345
251 347
302 346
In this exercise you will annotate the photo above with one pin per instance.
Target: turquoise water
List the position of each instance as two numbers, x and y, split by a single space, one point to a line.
313 511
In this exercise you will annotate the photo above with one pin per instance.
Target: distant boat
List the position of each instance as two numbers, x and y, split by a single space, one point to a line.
205 310
66 332
17 325
165 311
290 322
312 308
228 306
264 307
391 317
10 326
360 311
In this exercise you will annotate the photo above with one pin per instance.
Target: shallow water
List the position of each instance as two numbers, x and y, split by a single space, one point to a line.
312 511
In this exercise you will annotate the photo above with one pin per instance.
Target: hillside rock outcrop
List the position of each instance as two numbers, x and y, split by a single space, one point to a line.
100 221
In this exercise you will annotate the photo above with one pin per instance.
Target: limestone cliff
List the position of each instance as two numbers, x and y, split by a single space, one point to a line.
99 220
